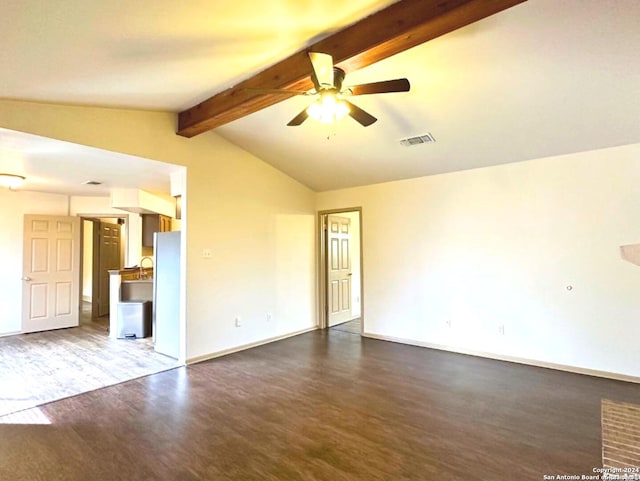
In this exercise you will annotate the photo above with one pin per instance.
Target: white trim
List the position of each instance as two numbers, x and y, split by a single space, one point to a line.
225 352
86 298
14 333
321 304
501 357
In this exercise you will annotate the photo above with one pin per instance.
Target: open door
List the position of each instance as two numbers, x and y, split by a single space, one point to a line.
51 272
106 256
338 269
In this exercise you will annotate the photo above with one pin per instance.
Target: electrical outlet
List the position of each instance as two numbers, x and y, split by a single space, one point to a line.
238 321
269 317
207 254
448 321
501 329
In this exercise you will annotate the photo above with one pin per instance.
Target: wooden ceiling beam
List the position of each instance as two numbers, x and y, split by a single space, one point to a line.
397 28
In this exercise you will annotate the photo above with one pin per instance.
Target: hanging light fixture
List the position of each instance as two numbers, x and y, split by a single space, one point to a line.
11 181
328 108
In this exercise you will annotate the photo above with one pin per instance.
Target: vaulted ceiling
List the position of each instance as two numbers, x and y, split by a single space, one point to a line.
539 79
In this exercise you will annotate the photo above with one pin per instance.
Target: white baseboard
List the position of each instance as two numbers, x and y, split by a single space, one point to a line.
501 357
225 352
86 298
10 333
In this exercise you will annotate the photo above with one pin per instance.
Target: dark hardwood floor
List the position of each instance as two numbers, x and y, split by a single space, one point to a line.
326 405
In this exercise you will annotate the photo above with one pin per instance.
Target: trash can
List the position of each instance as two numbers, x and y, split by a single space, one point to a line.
134 319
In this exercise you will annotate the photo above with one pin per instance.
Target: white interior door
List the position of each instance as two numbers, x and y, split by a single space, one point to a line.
51 279
338 270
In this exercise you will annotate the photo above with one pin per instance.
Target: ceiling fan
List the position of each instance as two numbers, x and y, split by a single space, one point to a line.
331 104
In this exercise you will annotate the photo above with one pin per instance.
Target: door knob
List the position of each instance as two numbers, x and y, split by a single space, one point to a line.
26 278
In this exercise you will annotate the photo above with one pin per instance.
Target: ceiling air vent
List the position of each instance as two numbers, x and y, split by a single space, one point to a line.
91 182
419 139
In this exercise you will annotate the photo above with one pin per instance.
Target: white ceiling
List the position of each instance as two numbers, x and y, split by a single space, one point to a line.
59 167
543 78
153 54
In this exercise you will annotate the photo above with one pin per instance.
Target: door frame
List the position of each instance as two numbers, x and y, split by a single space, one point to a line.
323 308
76 259
124 250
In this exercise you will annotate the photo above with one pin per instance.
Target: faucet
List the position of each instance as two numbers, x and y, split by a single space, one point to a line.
142 274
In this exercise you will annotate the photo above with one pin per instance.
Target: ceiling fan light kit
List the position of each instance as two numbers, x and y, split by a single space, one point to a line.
11 181
328 109
331 104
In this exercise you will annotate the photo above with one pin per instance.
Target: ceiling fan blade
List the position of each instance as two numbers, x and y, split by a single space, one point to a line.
386 86
322 75
278 91
298 119
362 117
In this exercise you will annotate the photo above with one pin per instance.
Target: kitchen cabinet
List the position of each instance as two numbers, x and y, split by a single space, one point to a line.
152 223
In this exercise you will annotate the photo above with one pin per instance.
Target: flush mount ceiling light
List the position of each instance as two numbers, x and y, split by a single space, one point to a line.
11 181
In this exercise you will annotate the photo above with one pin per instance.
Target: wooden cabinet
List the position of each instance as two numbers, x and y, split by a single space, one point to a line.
152 223
165 223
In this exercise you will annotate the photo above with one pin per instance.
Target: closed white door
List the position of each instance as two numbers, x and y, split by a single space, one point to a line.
51 279
338 269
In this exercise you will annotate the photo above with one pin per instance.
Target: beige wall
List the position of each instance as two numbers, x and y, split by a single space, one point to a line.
257 221
449 259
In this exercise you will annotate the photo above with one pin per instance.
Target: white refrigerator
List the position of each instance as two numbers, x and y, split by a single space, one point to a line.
166 293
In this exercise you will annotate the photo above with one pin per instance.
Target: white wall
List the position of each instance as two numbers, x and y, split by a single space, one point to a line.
498 247
257 222
13 206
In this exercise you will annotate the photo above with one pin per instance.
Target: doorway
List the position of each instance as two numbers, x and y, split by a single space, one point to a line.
340 269
103 248
50 272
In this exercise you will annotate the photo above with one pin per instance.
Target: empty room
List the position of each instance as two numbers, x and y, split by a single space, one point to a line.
371 240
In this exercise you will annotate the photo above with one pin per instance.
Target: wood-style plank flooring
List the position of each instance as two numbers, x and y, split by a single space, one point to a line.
354 326
326 405
46 366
